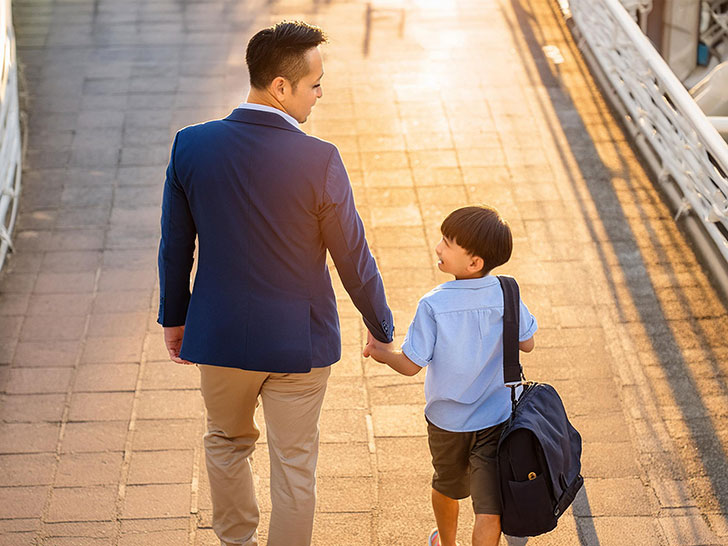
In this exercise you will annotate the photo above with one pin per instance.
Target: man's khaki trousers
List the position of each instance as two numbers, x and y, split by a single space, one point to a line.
292 406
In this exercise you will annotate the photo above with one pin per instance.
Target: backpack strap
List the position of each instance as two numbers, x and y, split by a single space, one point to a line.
512 371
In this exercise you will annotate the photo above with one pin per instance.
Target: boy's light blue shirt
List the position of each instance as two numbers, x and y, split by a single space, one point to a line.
457 333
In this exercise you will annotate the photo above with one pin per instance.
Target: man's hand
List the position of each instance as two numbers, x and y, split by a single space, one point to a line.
173 340
370 339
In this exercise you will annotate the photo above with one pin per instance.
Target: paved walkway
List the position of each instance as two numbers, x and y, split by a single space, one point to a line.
100 435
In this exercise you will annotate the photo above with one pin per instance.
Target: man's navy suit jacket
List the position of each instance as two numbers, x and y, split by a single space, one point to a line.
265 202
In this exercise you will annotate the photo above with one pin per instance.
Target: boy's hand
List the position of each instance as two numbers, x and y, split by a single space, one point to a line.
378 350
385 354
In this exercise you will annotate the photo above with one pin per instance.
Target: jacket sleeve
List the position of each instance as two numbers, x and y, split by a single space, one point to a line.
343 234
176 250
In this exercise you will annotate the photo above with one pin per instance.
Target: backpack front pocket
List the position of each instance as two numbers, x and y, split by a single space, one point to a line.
532 500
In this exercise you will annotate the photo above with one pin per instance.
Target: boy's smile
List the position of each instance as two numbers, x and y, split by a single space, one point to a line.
455 260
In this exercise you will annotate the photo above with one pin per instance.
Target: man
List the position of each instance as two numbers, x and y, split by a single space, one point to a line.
265 202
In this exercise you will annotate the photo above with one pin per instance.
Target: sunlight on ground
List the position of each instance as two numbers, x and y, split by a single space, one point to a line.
434 4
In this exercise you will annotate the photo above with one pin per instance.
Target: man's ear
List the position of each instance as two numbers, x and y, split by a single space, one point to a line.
279 87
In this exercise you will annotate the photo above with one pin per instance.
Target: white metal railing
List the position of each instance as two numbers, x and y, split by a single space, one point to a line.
10 140
635 7
688 148
716 22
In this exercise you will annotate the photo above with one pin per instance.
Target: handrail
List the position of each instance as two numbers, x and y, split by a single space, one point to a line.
10 140
662 112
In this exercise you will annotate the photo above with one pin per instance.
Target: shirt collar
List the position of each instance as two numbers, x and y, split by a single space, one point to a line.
479 282
263 108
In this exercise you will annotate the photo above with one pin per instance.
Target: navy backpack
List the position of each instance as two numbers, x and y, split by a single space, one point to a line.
539 452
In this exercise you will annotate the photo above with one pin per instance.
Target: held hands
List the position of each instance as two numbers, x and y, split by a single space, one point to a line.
377 350
173 340
385 353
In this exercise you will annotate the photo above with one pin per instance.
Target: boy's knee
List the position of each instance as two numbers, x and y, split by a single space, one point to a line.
488 519
487 530
488 523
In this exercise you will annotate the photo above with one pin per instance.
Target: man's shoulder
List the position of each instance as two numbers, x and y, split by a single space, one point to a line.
320 142
319 145
311 144
195 129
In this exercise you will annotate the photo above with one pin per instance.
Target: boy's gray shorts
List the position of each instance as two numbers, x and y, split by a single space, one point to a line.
465 465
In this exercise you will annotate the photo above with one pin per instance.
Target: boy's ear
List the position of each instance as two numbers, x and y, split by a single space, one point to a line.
476 263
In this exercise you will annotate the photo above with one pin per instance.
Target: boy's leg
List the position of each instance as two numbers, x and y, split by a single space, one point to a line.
451 479
446 516
486 530
485 488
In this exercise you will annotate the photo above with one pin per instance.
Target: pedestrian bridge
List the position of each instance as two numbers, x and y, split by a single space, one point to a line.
464 101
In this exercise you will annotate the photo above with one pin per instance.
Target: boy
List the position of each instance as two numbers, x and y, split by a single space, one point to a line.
457 333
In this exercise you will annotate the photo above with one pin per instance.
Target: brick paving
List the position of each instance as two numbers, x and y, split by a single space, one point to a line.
100 435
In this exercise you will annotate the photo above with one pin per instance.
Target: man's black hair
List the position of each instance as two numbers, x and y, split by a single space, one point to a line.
280 51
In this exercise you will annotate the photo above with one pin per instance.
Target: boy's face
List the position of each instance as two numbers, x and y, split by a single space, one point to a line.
455 260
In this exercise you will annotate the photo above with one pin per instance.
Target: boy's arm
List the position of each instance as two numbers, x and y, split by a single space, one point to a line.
527 329
528 345
397 360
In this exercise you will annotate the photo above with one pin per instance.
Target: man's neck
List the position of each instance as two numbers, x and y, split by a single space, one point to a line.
261 100
265 99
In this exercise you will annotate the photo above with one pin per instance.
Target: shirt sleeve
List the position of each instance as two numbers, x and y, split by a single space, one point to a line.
419 343
527 324
343 234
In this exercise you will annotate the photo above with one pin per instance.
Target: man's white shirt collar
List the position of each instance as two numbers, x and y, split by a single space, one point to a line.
263 108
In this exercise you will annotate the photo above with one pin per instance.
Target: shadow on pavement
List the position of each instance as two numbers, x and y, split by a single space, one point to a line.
659 285
585 529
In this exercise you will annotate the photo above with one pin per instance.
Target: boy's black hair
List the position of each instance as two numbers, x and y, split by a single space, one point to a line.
483 232
280 51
